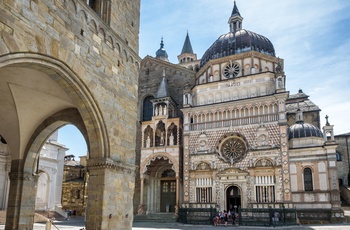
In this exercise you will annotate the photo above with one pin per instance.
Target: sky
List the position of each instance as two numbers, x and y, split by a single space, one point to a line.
313 38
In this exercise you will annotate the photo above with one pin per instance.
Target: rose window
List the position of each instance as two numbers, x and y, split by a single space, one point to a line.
231 70
232 149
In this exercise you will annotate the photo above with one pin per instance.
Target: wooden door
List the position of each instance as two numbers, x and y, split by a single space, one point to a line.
168 195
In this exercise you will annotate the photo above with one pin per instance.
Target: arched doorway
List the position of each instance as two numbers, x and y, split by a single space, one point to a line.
233 198
159 184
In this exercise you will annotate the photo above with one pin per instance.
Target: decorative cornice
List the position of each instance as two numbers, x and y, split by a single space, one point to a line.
108 163
23 176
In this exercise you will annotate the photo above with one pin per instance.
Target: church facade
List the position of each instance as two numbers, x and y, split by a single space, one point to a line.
223 131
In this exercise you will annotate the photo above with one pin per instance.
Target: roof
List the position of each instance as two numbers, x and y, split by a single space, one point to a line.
187 48
344 134
235 10
300 101
161 53
163 89
301 130
238 42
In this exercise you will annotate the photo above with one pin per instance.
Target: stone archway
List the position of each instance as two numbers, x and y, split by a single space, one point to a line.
38 95
159 175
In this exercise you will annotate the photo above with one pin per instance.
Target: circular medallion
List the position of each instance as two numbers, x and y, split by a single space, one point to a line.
231 70
232 149
262 137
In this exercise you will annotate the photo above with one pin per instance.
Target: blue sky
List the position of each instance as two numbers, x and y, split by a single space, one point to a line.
313 38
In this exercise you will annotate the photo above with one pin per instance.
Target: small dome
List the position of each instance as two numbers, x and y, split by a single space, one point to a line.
161 52
301 130
239 42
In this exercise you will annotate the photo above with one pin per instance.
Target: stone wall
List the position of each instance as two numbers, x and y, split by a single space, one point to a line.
343 163
66 39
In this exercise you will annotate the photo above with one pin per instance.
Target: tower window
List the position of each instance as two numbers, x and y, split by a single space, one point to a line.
102 8
338 155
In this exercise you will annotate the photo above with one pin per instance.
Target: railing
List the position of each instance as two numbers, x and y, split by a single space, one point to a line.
197 215
234 122
267 217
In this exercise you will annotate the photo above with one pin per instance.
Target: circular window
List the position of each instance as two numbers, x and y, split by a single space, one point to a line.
232 149
231 70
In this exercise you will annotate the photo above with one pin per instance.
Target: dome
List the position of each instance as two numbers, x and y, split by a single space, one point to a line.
301 130
161 52
238 42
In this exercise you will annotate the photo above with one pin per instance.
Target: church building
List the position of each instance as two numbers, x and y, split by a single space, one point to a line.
223 131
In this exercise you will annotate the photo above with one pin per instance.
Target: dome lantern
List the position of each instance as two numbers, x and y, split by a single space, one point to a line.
235 21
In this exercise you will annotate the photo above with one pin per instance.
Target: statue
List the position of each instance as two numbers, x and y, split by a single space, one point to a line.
140 210
156 111
280 83
162 138
148 142
171 139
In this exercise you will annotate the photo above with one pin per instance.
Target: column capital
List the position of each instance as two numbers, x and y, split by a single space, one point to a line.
108 163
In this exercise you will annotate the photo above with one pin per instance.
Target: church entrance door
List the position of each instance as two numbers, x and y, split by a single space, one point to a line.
168 196
233 198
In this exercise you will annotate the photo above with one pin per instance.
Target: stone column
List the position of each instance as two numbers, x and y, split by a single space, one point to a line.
21 203
177 190
141 191
110 195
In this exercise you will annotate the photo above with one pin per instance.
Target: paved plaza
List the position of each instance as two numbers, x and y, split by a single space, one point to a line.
78 224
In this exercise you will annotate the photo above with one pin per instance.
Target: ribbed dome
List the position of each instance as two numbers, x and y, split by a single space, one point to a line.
236 43
301 130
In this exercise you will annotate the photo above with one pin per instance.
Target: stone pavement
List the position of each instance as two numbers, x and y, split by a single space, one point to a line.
78 224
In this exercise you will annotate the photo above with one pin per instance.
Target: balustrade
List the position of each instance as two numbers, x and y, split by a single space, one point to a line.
234 122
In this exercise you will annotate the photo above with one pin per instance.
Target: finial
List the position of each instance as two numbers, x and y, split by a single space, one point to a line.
162 43
299 116
327 123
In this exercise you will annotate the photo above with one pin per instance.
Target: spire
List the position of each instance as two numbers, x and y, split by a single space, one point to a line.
187 48
187 55
235 20
161 53
163 88
235 11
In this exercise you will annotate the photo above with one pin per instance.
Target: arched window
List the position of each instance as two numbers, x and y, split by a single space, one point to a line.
338 156
308 185
91 3
102 8
147 109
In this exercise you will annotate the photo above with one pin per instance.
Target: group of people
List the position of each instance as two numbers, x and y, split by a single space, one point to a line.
223 218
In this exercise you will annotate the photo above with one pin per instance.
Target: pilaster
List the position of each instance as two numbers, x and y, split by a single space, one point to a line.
110 192
21 203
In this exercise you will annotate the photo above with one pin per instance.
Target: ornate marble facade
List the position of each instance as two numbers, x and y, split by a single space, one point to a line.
246 141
